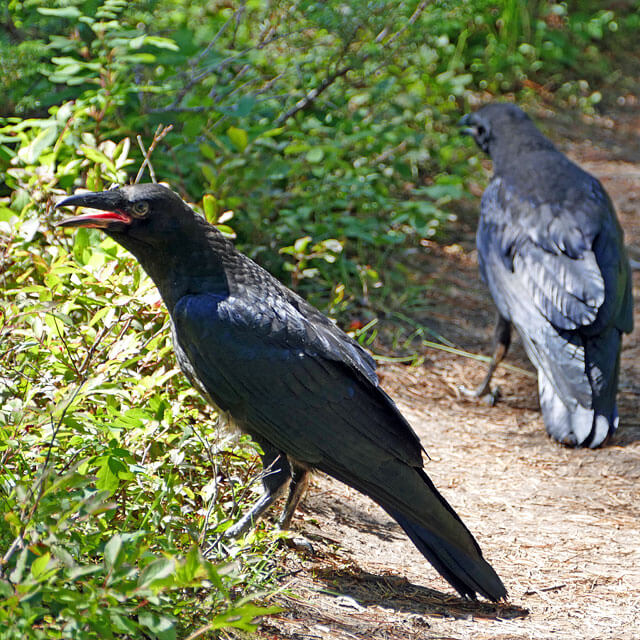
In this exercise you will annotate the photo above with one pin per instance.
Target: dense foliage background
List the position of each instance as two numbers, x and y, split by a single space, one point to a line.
323 135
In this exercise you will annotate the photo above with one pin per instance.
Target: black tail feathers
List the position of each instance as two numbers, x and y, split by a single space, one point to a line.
466 574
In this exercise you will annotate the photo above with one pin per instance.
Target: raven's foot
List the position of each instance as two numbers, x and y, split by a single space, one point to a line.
240 528
484 393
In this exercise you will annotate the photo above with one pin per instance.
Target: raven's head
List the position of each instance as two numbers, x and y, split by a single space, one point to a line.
494 123
169 239
142 210
141 217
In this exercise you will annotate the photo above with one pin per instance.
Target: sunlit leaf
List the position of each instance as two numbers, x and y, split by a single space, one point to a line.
112 552
238 137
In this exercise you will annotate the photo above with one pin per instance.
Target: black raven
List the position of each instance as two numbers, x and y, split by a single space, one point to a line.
304 390
551 251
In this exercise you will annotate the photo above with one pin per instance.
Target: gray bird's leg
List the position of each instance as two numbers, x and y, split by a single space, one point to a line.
297 487
277 472
501 342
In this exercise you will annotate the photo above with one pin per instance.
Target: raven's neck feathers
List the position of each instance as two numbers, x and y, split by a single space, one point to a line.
189 263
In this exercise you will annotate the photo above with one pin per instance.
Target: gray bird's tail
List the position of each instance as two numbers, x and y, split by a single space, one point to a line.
577 426
583 412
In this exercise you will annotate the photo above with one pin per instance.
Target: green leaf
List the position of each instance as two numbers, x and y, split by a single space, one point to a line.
295 147
315 155
272 132
80 243
121 624
226 230
106 478
6 590
158 570
100 313
208 152
238 137
97 156
244 616
190 568
162 627
121 153
6 214
112 549
161 43
62 12
39 565
42 141
301 244
17 574
210 206
82 571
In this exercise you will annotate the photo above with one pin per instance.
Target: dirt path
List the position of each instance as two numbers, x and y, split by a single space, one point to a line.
560 526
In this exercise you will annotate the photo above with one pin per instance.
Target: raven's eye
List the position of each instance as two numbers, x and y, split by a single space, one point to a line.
140 209
480 130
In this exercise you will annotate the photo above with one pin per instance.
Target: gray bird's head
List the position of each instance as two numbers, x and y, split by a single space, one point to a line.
495 124
504 131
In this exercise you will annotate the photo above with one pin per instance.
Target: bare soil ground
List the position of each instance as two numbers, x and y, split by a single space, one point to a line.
560 526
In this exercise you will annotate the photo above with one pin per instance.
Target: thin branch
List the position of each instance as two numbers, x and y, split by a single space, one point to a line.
158 135
195 64
218 68
64 342
238 88
414 16
329 80
303 103
215 39
268 85
174 108
238 17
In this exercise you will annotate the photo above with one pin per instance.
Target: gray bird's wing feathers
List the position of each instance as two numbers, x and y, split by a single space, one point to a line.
567 256
546 249
558 272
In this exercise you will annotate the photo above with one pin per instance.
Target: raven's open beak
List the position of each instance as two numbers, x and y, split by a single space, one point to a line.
106 210
466 129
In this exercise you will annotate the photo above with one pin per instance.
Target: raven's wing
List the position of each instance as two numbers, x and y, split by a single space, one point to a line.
286 380
278 312
559 272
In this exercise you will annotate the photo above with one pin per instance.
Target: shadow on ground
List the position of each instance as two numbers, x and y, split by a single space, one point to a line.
397 593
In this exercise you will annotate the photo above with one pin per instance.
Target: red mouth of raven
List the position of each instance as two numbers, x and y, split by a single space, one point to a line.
96 219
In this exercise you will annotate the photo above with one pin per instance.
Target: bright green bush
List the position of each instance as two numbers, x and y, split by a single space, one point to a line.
326 120
114 472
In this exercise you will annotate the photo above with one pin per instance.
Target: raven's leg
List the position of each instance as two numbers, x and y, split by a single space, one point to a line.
501 342
277 472
297 487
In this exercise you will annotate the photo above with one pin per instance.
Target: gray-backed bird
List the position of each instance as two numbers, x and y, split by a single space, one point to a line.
551 251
